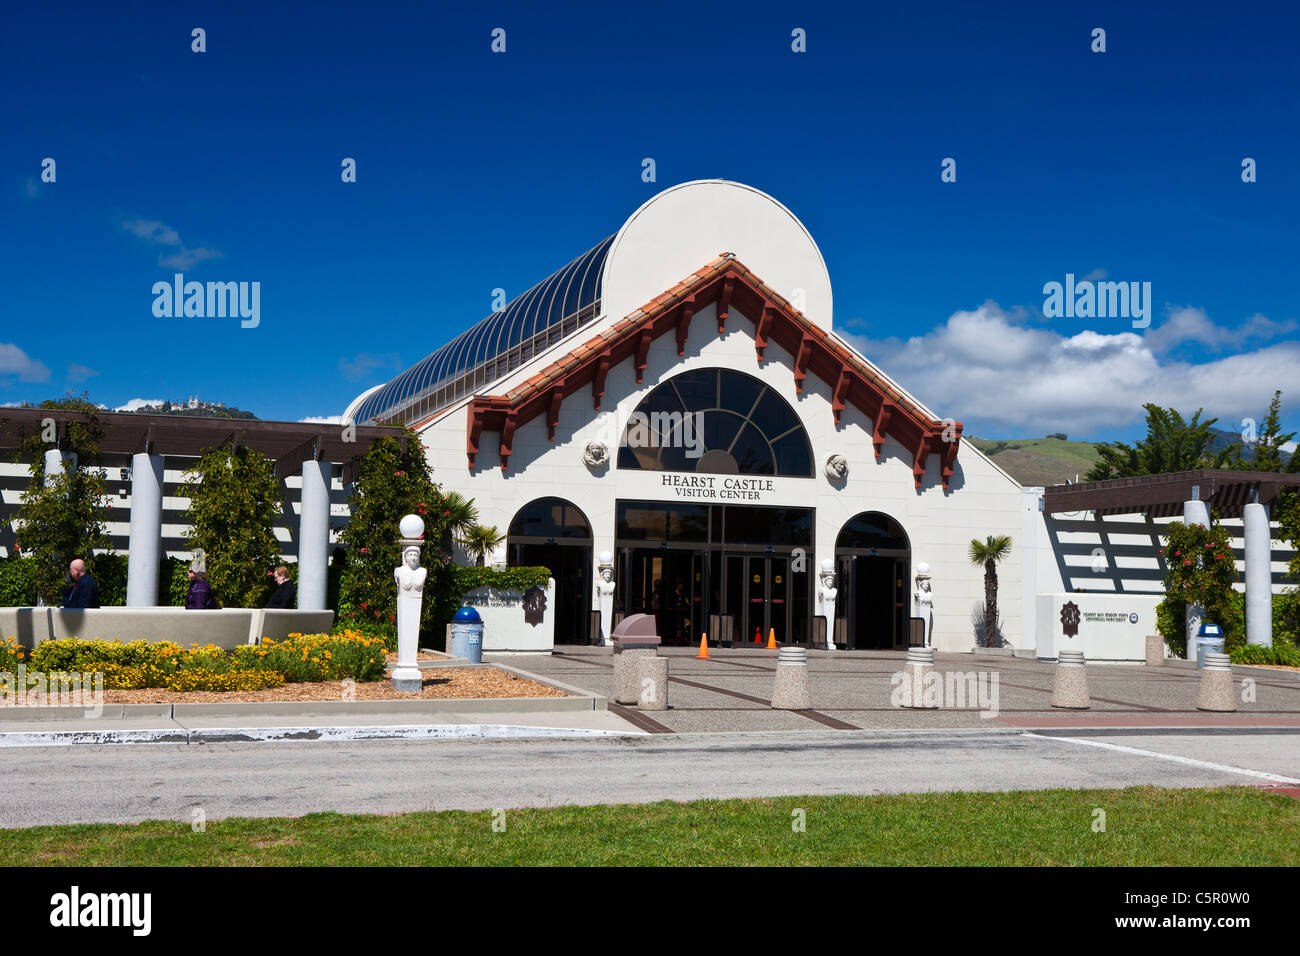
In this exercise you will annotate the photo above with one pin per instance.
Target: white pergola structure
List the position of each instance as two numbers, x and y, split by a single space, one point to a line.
311 450
1231 494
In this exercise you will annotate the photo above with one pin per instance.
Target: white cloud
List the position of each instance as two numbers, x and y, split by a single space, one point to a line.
1189 324
136 404
79 373
995 373
153 231
14 361
160 234
322 420
186 258
363 364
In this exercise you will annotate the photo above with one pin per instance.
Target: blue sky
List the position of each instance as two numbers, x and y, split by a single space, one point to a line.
479 170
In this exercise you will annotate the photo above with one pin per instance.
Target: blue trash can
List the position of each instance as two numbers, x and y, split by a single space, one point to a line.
1209 641
467 635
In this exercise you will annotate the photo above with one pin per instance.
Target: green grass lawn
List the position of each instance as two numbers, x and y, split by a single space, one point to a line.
1144 826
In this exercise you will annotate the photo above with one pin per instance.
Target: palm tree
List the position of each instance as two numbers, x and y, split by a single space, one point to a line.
480 541
988 553
459 515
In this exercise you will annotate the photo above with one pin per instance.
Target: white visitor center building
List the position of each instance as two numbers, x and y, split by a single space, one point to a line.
675 402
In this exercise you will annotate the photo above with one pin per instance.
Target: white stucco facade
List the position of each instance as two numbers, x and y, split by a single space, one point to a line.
665 241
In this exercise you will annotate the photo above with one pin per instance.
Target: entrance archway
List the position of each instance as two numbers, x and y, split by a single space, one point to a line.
555 534
873 558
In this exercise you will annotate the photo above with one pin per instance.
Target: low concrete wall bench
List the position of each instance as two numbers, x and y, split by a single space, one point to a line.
226 628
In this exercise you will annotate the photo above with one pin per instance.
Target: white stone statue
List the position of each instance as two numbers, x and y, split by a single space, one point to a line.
828 593
925 601
605 596
837 467
410 593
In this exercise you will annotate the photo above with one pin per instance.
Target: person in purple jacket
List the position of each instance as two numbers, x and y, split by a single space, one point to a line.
201 597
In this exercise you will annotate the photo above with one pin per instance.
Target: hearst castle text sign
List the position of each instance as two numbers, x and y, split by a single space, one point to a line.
719 487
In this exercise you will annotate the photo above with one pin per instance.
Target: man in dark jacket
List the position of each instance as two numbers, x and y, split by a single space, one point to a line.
84 591
286 594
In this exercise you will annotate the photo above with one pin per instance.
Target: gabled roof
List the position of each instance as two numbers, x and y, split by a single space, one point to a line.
530 323
726 282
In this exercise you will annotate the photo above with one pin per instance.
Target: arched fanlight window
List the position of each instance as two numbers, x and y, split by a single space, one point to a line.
716 421
872 531
550 518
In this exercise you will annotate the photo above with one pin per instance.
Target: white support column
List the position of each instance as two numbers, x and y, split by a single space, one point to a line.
146 531
1259 576
1195 512
313 535
55 462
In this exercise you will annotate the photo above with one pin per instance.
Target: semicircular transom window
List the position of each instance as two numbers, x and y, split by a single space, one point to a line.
870 531
719 422
549 518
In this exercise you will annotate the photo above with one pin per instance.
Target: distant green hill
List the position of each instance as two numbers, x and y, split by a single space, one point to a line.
1040 461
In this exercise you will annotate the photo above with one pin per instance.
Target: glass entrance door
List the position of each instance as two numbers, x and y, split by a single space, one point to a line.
669 585
757 595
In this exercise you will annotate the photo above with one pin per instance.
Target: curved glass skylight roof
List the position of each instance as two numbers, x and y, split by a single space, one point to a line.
529 324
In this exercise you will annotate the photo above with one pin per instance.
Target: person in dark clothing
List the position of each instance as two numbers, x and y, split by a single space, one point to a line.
286 593
84 591
200 597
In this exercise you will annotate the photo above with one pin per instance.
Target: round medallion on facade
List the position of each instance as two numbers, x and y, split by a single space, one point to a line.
596 455
837 467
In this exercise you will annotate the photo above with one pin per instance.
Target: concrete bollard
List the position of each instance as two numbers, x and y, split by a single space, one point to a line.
1070 687
920 662
627 689
1155 650
790 688
1216 692
652 682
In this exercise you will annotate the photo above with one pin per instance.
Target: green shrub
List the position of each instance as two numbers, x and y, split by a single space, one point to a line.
17 582
74 654
109 571
308 658
1285 654
11 655
128 677
302 658
228 680
504 579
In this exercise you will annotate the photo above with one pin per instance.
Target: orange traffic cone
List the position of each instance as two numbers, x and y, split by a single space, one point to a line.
771 640
703 655
758 636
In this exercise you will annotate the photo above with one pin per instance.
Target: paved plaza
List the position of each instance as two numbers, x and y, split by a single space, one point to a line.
851 690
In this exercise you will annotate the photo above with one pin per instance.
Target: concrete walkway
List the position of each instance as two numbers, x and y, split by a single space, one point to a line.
851 690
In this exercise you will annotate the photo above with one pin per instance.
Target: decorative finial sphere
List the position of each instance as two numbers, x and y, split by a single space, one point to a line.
412 526
828 564
605 558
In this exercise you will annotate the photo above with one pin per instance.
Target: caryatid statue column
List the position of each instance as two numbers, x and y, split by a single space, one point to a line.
605 596
827 593
410 594
925 601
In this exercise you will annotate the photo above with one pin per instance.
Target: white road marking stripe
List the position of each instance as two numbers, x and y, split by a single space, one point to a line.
1191 762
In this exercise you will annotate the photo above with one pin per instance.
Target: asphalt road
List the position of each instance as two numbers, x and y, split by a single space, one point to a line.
127 783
